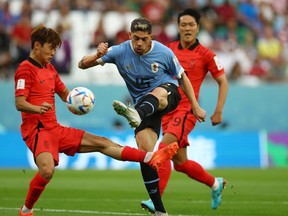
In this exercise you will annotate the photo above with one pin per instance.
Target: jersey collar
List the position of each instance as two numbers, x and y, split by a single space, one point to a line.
191 47
31 60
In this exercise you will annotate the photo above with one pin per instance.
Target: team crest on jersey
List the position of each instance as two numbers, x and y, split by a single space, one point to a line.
154 67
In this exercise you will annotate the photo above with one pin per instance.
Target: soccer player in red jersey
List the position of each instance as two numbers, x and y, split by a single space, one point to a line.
36 83
197 61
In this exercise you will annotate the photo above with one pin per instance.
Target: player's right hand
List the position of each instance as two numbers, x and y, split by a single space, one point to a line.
199 113
102 49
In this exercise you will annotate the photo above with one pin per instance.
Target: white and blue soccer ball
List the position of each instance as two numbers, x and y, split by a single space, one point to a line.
80 100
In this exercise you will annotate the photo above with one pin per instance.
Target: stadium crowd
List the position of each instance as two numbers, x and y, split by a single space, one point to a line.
250 37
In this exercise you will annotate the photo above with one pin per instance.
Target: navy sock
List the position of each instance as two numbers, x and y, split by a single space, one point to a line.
151 181
148 106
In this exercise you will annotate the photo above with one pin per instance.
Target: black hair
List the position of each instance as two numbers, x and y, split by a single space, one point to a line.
190 12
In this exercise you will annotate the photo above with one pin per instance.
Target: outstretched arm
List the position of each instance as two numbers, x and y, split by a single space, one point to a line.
187 88
216 118
91 60
63 95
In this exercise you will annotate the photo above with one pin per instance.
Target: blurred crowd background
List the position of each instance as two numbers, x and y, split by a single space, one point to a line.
250 37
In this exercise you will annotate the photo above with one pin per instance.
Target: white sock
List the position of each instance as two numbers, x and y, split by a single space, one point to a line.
216 185
161 213
26 210
148 157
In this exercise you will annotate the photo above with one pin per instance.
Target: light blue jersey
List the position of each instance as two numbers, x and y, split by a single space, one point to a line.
143 73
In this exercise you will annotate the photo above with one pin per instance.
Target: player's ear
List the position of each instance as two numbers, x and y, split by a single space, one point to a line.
130 35
36 44
151 36
198 28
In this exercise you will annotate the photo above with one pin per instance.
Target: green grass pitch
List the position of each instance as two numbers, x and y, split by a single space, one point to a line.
254 192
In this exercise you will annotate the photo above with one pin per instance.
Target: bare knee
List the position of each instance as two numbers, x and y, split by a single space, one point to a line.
46 172
46 165
179 159
145 147
146 139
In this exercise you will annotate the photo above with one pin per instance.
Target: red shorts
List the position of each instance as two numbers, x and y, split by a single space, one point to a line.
56 140
179 123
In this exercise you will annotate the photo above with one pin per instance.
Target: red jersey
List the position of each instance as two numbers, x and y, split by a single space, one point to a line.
197 61
38 84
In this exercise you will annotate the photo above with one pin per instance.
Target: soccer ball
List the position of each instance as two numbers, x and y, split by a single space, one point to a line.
80 100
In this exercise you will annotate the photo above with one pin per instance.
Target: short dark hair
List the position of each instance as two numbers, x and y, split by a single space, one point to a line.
43 35
190 12
141 24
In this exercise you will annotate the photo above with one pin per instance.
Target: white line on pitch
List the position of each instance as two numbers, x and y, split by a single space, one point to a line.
83 212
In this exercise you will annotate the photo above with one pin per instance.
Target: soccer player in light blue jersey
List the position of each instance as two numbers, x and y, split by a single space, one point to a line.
152 74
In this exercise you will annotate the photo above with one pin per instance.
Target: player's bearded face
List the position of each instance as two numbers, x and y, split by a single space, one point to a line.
141 42
188 28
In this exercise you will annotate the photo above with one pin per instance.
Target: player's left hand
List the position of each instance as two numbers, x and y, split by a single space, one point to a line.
216 118
45 107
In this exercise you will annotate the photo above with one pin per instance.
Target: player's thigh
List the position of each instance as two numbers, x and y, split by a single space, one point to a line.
162 96
169 138
45 164
173 97
69 139
92 142
43 140
179 123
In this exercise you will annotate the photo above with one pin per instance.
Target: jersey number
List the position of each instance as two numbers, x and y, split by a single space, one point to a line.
177 121
143 82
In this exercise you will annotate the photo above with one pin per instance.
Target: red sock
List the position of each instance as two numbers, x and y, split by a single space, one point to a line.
37 186
133 154
195 171
164 172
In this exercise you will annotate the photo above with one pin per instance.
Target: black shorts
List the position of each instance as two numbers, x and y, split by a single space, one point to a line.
154 121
